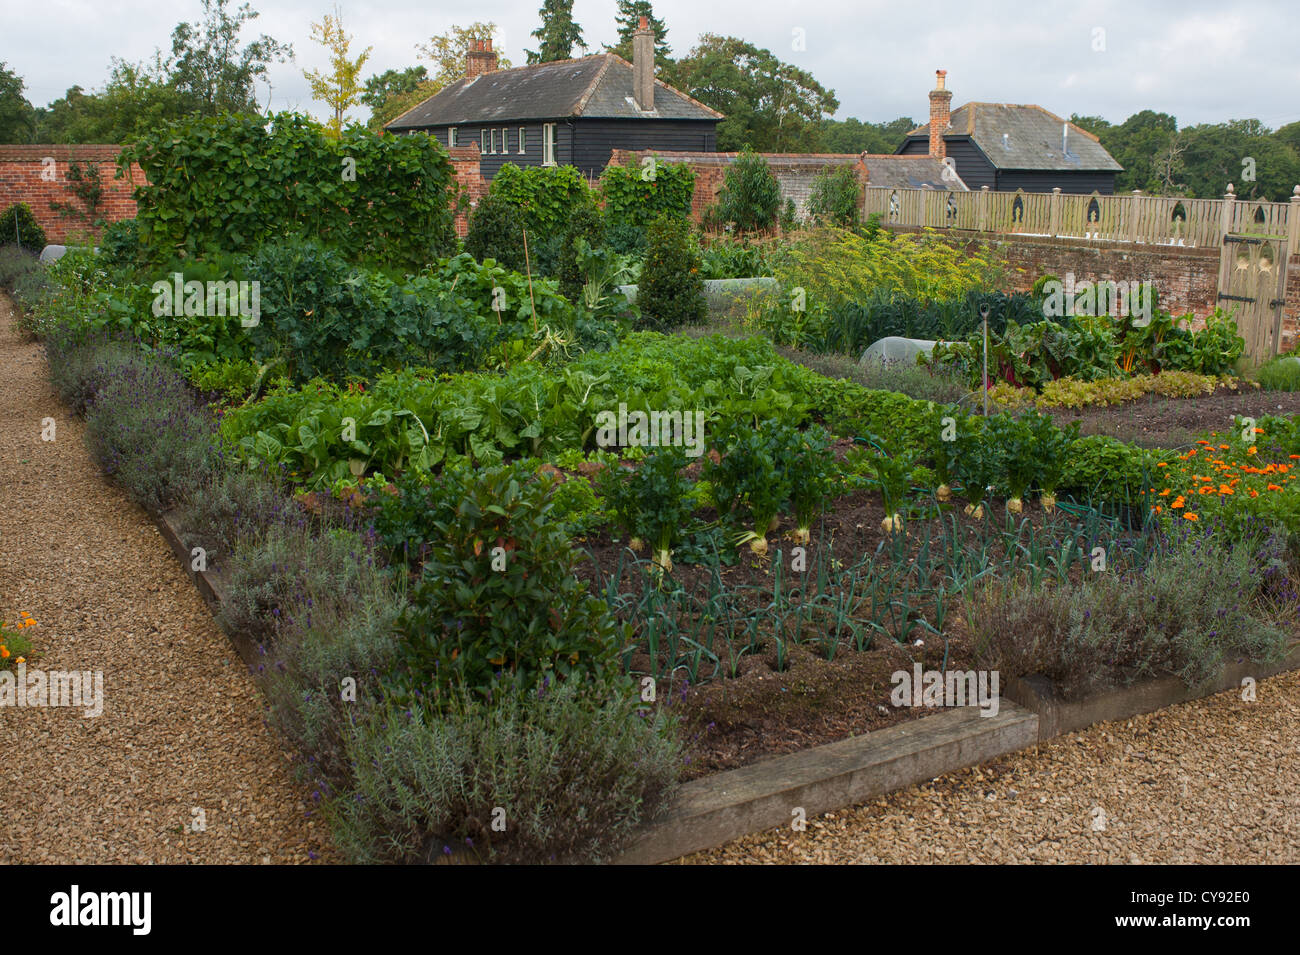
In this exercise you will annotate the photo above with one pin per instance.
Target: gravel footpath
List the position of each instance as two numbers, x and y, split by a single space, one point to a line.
1210 781
181 727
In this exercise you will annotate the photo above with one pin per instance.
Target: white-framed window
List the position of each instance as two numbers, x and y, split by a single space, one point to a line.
523 139
482 141
451 137
493 140
548 144
505 140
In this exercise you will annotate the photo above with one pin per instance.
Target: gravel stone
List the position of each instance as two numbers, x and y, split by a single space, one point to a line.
182 726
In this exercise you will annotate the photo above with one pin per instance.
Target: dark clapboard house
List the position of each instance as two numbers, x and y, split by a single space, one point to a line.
568 112
1008 147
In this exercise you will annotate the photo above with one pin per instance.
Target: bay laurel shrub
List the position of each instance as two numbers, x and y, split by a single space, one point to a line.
834 197
385 200
496 231
19 226
498 605
670 293
750 196
575 767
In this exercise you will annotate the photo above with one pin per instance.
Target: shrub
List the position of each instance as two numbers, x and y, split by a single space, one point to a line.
496 231
671 291
838 267
120 244
145 428
233 504
547 197
587 224
1280 374
576 772
1189 609
626 239
288 567
331 637
498 603
15 263
284 176
636 196
18 225
834 197
750 195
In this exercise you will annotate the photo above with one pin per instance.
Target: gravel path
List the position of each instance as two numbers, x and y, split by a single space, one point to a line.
1211 781
181 727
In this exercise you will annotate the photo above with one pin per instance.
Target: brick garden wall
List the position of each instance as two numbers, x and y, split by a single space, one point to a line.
1187 279
465 164
794 172
25 176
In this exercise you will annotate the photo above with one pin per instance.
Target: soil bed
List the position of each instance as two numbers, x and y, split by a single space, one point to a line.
1153 421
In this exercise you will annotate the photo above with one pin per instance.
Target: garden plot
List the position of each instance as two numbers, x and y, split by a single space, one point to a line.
405 475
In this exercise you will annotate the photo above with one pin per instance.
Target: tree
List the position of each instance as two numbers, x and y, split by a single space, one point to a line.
769 105
628 18
387 94
211 71
855 136
558 34
447 51
17 118
339 88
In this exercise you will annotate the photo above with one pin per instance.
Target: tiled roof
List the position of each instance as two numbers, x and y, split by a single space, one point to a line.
1027 137
598 86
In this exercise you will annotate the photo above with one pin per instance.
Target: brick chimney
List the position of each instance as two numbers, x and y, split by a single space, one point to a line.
480 59
940 115
643 66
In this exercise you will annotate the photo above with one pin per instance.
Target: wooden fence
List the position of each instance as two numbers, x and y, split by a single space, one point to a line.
1154 220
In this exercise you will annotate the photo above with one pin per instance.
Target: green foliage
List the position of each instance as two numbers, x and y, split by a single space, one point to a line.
651 502
1280 374
767 104
547 197
558 34
19 226
836 267
728 259
498 606
750 196
835 197
586 225
577 771
671 291
496 231
1198 603
637 196
15 263
120 244
1103 469
291 179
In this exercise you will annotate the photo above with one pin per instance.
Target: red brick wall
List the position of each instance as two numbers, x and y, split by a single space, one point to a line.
465 164
1186 279
794 172
21 169
25 176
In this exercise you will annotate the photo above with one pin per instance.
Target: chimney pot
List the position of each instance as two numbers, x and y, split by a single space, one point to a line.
480 59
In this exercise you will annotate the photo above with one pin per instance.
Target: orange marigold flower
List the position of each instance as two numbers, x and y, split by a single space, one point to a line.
1274 487
1178 501
1165 492
1254 493
1189 516
1252 449
4 653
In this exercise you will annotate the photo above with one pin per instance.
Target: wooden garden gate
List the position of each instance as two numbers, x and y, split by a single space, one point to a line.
1252 280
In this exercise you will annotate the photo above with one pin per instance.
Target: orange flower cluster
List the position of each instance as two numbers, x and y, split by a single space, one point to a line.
1222 479
25 621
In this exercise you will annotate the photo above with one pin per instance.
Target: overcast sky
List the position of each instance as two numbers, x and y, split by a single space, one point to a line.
1201 61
